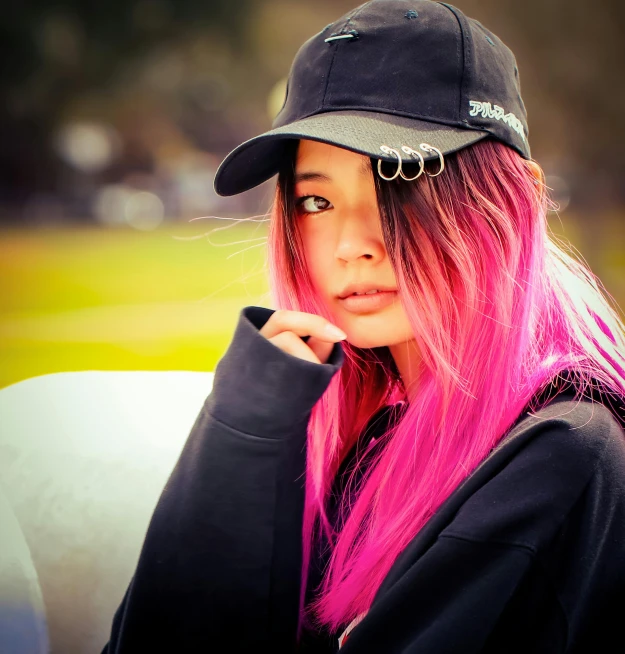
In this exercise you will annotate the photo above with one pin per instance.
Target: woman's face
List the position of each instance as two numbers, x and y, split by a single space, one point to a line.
339 222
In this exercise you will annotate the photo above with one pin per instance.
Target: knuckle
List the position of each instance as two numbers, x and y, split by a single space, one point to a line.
275 318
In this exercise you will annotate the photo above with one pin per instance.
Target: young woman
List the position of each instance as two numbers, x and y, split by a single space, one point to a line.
421 448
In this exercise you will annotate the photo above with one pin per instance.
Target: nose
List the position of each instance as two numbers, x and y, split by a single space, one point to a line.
358 237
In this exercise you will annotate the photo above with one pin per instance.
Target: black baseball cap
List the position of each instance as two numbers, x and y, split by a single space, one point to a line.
392 73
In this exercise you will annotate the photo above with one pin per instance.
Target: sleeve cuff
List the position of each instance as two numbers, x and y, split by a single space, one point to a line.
258 388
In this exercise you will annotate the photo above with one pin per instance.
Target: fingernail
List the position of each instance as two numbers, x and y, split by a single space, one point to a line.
335 332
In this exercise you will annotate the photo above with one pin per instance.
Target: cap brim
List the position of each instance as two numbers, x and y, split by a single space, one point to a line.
257 160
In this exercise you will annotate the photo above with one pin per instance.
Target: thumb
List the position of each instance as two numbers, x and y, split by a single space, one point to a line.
322 349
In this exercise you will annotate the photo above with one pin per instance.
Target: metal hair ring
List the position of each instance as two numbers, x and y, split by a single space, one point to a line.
387 150
431 148
412 153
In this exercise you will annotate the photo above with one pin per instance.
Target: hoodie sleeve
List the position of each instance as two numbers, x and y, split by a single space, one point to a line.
220 564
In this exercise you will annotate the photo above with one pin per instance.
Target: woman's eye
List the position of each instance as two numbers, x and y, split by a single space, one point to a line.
312 204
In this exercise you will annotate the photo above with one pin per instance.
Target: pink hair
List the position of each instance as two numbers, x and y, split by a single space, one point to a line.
497 309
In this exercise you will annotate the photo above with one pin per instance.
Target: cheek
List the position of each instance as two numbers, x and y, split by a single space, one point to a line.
318 252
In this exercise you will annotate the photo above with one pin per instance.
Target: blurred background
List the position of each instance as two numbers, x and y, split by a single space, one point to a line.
114 117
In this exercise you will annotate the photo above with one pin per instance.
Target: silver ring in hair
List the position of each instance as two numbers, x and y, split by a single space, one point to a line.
412 153
387 150
431 148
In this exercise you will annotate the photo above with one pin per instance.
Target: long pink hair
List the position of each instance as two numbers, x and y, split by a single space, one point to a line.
497 309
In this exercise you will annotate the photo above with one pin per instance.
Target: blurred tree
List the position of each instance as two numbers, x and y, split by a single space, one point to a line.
185 74
54 53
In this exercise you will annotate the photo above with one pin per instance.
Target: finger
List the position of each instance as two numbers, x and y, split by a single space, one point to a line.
293 344
302 324
321 349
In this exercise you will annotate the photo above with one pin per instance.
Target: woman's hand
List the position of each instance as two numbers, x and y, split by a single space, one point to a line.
284 329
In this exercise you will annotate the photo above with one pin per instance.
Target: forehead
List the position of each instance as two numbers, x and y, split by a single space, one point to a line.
318 155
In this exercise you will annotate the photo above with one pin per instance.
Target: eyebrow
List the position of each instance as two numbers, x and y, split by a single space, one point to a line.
314 176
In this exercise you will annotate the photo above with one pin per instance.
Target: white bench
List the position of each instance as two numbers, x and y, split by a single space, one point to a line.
84 457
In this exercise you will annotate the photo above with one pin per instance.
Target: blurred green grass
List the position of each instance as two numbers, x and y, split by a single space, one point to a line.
92 298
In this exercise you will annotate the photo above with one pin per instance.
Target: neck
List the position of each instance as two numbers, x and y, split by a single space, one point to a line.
407 359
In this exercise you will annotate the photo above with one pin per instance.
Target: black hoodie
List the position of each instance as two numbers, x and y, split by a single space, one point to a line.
526 555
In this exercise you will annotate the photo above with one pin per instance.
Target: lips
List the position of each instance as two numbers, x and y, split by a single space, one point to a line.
363 288
373 292
368 303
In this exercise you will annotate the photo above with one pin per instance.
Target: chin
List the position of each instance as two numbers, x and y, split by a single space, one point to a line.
365 343
369 336
377 329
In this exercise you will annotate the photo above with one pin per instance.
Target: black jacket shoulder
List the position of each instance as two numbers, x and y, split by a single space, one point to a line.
525 555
